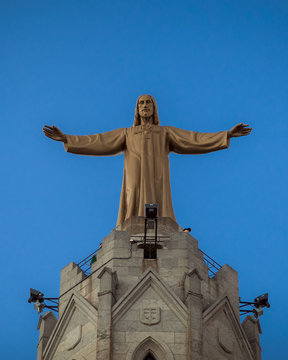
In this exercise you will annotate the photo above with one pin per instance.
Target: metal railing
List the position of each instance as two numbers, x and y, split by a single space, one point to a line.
85 264
213 266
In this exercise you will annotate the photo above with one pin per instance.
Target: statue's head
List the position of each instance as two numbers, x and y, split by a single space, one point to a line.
146 108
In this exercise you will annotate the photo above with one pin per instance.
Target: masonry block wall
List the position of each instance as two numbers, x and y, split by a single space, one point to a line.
131 306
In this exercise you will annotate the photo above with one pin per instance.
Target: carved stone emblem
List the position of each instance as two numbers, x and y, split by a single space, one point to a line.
225 340
150 315
73 338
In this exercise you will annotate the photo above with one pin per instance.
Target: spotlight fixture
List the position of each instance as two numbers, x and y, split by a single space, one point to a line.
262 301
259 303
151 211
151 222
37 297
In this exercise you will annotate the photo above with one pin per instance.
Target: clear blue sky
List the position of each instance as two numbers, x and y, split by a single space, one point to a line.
81 65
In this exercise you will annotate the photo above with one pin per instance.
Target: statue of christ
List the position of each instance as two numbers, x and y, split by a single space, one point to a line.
146 146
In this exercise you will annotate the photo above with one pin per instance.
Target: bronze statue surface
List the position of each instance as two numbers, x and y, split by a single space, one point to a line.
146 147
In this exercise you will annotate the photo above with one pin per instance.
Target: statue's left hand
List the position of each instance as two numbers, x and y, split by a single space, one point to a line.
239 130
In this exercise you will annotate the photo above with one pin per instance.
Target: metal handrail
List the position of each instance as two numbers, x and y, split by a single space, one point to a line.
85 264
213 266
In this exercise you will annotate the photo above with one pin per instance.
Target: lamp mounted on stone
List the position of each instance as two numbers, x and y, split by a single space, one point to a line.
259 303
151 217
37 297
151 211
262 301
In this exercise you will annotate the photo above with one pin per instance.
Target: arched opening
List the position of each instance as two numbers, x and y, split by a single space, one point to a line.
155 347
149 357
149 349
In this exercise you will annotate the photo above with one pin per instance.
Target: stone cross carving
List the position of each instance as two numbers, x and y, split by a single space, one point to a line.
150 315
146 146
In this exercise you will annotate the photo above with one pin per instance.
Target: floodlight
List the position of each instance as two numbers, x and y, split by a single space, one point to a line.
151 211
259 303
35 296
262 301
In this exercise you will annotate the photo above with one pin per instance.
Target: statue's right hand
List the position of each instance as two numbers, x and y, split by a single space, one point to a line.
54 133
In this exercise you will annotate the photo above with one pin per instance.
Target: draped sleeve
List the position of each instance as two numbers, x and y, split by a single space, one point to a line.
108 143
190 142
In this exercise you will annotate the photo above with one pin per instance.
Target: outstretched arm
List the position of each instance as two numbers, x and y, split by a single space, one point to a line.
190 142
109 143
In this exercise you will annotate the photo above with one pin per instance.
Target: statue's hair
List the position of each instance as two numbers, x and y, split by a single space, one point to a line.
155 113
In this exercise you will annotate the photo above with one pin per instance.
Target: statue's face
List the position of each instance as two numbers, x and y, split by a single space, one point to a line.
145 106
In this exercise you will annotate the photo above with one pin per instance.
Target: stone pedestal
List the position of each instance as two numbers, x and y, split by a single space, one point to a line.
131 306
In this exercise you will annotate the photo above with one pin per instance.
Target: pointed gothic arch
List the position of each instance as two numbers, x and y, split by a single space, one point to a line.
140 351
149 356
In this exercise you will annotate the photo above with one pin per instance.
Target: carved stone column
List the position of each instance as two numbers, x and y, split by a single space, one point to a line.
106 296
193 296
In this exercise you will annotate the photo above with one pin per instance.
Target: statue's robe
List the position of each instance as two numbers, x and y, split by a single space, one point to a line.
146 166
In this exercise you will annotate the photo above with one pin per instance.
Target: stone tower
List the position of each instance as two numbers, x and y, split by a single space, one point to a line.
159 304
